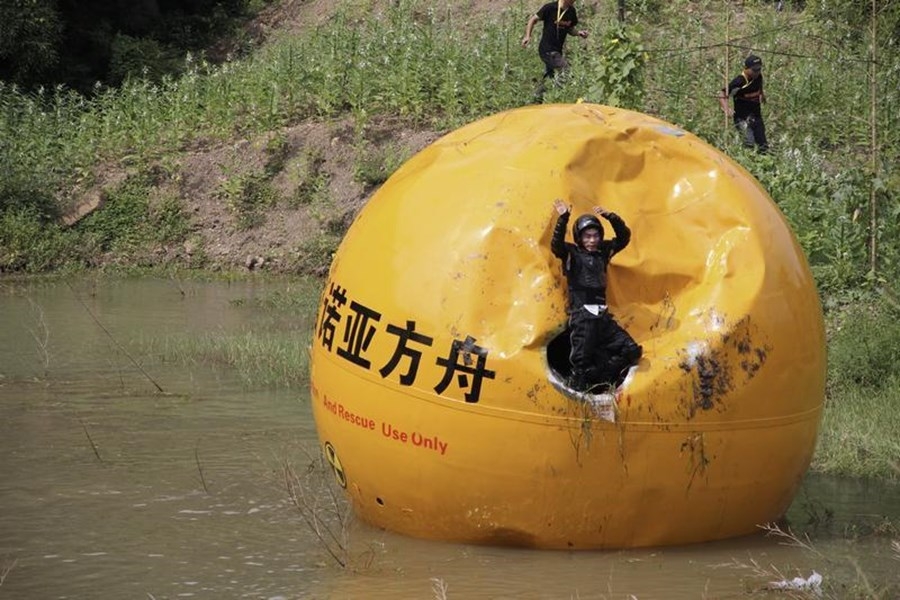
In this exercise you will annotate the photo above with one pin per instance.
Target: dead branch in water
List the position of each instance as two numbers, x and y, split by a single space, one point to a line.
91 440
789 537
200 470
439 588
5 569
41 334
322 507
114 340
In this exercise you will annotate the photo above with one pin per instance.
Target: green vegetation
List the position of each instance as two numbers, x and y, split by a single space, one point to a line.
836 139
247 196
845 580
860 433
373 168
78 44
264 357
273 352
310 181
832 77
131 224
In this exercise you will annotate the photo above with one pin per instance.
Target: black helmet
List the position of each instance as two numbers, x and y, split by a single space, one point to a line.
585 222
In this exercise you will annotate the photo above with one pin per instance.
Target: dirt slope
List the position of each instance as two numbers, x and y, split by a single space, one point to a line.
287 234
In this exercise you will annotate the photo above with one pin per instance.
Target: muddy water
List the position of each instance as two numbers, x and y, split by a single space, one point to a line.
110 488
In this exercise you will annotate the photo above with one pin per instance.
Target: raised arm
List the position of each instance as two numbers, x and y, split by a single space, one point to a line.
620 229
558 242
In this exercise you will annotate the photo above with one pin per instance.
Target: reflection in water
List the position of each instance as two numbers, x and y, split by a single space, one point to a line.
110 489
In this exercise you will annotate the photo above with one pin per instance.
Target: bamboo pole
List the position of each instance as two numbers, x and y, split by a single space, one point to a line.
727 63
873 137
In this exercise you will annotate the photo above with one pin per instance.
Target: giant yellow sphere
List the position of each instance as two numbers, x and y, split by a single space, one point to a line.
438 362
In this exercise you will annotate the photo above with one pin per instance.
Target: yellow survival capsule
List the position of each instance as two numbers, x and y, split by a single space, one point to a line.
438 358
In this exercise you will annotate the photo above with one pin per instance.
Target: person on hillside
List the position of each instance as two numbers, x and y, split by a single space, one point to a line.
559 21
601 350
746 90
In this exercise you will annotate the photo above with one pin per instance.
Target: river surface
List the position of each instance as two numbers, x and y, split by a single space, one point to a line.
111 488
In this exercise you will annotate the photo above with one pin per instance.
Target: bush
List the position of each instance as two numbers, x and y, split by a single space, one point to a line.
617 77
123 223
170 223
247 195
314 255
864 345
140 58
823 209
29 34
374 166
28 242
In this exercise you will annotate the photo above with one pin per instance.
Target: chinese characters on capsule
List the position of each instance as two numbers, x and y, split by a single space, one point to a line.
347 328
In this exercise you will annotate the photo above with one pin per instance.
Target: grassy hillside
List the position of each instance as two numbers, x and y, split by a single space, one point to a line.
262 162
832 113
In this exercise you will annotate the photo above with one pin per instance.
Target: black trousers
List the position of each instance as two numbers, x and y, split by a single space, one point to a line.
553 62
754 131
601 350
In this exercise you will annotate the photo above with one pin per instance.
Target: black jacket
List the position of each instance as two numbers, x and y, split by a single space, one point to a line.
586 271
747 94
557 25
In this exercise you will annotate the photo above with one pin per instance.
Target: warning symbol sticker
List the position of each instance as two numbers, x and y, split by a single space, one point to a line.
335 462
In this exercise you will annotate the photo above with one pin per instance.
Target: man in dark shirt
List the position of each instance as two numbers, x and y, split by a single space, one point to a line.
601 350
559 19
747 92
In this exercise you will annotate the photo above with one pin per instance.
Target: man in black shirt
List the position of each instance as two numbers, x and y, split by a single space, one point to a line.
559 19
600 349
747 92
